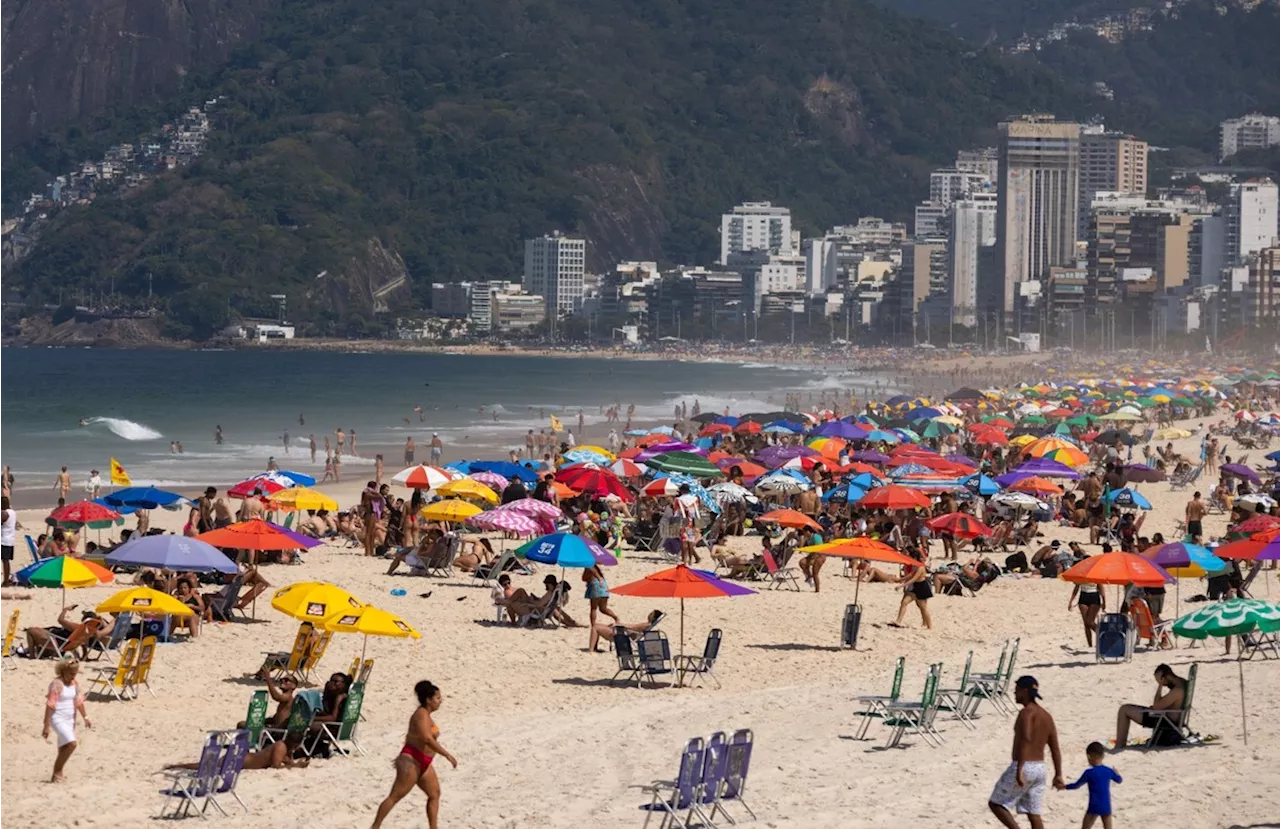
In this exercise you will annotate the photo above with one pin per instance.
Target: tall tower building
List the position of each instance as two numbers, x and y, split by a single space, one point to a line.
554 268
973 227
1109 163
755 225
1253 218
1037 199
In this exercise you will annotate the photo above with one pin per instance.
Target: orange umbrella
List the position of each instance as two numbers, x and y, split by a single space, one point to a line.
790 518
867 549
256 534
563 490
681 582
1118 568
894 496
1037 486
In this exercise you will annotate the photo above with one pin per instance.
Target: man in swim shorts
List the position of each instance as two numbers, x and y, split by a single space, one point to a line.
1021 788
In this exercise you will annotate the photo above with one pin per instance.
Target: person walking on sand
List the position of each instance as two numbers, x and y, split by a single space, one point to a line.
415 763
9 527
1021 788
311 444
63 484
63 702
1098 777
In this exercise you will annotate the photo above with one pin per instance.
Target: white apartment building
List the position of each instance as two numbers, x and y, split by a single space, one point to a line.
1252 218
554 268
783 273
973 227
872 231
1252 132
819 266
755 226
947 185
931 219
985 162
481 313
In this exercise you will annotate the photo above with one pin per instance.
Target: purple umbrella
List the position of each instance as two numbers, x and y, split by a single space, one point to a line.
668 446
870 456
775 456
174 552
1143 474
1239 470
1047 468
840 429
963 460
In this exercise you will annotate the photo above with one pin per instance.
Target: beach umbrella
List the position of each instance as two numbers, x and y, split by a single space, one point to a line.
174 552
596 481
840 429
960 525
64 572
661 488
894 496
255 487
257 534
368 620
862 548
931 482
84 513
1234 617
468 489
506 469
490 479
1127 498
731 493
507 521
1256 523
301 498
965 394
681 582
790 518
566 550
141 497
1182 559
453 511
534 507
313 601
584 455
780 483
844 493
424 477
1123 415
1262 546
686 462
291 478
1036 486
1110 436
980 485
625 468
1057 449
1118 568
146 601
1239 470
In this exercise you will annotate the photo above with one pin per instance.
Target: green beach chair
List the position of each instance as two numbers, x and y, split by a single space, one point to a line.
344 731
255 720
875 704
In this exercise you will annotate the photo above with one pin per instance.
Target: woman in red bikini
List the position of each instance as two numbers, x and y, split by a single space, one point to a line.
414 763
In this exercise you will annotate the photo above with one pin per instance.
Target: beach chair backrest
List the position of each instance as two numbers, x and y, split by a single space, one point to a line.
712 649
655 652
210 763
355 667
318 649
1013 660
930 686
365 670
81 634
124 622
738 763
898 671
351 711
651 626
256 718
232 762
623 647
128 657
301 713
142 668
690 772
964 678
10 632
300 644
1189 697
715 765
35 551
228 604
770 563
1004 655
1142 620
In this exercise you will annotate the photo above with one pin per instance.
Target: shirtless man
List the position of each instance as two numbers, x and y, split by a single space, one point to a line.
1195 518
410 449
221 513
341 438
63 483
205 505
1171 689
1023 783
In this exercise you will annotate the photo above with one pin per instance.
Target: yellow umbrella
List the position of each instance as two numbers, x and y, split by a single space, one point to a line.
1022 440
591 447
470 489
950 420
312 601
144 600
453 511
370 621
300 497
1171 434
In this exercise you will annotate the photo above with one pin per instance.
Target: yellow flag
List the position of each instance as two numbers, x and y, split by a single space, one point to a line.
556 425
118 476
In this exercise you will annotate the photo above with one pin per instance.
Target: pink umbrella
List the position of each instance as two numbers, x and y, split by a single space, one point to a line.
532 506
490 479
507 521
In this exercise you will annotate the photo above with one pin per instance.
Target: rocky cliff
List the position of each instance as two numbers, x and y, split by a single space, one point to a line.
66 60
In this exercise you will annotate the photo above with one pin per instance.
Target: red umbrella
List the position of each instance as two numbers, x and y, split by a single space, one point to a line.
894 496
748 469
990 437
1256 524
254 486
960 525
594 481
83 512
748 427
422 477
626 468
715 429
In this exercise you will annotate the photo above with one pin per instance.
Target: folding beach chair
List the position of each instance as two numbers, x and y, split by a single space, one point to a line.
985 685
443 566
957 700
1178 720
1186 479
704 665
314 655
715 765
1266 645
875 704
187 786
113 680
142 667
80 636
780 576
228 774
547 614
738 763
1145 626
1114 640
10 633
915 716
301 713
344 731
255 719
655 656
280 664
628 661
672 797
223 609
35 551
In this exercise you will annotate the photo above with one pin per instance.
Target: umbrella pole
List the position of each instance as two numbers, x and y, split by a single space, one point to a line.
1244 723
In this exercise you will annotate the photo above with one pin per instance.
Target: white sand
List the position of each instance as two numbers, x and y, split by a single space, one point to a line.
544 741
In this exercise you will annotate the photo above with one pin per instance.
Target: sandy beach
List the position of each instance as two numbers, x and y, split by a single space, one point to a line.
543 740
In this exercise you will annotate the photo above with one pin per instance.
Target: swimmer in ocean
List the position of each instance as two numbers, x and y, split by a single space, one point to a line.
84 421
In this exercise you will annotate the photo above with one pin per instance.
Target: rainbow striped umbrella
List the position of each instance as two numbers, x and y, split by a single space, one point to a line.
64 572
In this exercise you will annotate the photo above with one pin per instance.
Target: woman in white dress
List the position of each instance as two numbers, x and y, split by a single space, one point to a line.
64 702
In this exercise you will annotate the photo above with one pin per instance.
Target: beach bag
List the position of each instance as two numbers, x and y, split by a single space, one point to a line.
1016 563
1165 735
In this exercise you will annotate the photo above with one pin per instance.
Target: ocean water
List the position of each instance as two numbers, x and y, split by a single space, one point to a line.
137 402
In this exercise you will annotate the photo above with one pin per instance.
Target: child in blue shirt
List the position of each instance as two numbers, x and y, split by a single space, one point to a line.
1099 779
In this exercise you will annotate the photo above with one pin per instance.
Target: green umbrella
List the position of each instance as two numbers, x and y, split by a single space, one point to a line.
1234 617
686 462
937 430
1036 419
1079 420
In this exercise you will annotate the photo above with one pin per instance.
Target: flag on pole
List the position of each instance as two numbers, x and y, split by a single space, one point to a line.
556 425
118 475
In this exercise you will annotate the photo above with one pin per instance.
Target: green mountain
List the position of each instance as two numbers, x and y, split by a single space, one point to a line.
985 20
355 134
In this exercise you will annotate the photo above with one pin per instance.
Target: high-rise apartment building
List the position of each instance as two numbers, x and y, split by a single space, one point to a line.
1253 218
554 268
945 186
985 162
755 226
973 228
1262 293
1109 162
1038 200
1252 132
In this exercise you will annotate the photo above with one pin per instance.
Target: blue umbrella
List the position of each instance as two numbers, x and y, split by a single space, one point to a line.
175 552
141 497
506 469
980 485
586 456
565 550
727 420
844 493
780 429
865 480
910 469
1126 497
1274 456
881 436
298 478
840 429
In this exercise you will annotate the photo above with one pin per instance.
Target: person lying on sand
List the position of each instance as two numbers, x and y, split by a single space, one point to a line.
278 755
873 575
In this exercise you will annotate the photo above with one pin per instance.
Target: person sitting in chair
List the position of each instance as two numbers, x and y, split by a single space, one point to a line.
1171 691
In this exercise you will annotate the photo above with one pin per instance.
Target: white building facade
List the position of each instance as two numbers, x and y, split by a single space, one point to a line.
973 227
1252 132
755 226
555 269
